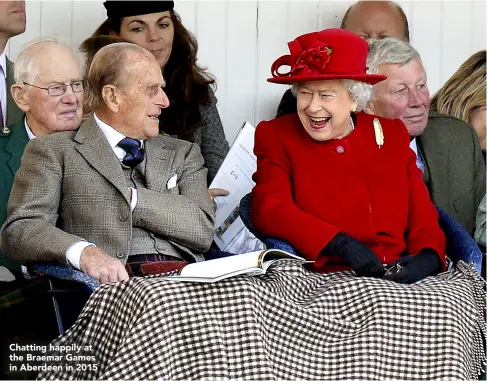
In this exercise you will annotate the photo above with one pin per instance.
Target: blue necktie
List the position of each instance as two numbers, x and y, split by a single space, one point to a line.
134 152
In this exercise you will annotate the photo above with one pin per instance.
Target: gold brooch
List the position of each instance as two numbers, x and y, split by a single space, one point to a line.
379 134
5 130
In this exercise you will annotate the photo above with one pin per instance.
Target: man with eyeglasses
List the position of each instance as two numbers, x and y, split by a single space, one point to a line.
49 90
114 199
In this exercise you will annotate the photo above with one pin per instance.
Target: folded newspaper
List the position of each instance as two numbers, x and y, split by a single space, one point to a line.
235 175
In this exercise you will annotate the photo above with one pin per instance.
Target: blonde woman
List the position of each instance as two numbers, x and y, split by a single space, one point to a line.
463 95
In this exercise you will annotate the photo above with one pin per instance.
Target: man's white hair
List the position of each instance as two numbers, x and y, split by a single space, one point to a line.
389 51
25 69
359 91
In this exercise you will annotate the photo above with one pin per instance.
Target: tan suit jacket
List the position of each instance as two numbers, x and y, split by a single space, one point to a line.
71 187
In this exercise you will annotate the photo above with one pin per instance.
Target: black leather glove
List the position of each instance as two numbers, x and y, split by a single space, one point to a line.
413 268
363 260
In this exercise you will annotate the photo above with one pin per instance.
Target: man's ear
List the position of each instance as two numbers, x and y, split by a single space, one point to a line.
111 97
20 96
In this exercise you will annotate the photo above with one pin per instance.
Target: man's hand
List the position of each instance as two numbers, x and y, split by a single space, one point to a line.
99 265
214 192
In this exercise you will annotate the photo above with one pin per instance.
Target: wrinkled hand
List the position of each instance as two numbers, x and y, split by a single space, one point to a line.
413 268
214 192
99 265
364 262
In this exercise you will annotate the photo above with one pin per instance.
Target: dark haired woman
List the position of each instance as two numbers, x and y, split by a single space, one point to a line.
192 114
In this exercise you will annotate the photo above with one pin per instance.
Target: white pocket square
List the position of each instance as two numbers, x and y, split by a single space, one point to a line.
172 182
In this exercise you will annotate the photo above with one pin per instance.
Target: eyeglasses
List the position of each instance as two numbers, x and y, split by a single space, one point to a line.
60 88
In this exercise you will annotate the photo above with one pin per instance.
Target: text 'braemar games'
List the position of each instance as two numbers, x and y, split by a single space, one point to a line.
36 358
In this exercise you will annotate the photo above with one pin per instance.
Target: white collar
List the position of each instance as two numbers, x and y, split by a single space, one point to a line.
30 134
414 146
113 137
3 63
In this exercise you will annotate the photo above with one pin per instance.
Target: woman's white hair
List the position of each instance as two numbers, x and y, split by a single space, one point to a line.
360 92
389 51
25 69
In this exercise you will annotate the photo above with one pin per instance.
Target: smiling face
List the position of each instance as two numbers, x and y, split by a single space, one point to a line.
45 113
403 95
141 98
153 31
324 109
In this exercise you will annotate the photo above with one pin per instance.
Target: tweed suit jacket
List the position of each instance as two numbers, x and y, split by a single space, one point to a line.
14 114
71 187
454 167
12 145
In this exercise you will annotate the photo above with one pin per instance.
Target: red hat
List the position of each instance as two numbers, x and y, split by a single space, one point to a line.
329 54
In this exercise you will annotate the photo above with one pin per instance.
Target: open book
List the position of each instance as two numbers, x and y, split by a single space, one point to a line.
255 263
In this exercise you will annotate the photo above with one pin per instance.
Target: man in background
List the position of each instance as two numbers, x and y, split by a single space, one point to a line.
12 23
377 20
447 149
368 19
48 89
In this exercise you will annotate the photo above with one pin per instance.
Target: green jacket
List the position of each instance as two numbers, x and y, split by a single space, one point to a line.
12 145
14 114
454 167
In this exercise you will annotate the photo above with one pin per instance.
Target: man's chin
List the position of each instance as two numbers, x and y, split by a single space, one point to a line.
417 128
70 126
149 133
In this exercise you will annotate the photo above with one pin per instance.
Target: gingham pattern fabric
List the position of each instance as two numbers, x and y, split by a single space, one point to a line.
286 325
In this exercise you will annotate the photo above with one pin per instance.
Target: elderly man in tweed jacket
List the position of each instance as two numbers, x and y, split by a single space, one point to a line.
114 190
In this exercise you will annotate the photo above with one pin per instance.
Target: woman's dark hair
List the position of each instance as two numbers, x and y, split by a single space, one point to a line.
187 84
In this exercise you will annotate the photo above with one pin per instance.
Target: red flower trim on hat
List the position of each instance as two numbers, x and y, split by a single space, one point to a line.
315 57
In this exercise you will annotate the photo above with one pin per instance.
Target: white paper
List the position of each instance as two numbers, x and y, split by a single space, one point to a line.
235 175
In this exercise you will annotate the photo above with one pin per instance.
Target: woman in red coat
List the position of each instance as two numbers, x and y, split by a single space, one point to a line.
340 185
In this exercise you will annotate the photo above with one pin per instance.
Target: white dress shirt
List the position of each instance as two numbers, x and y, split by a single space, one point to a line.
419 162
3 86
30 134
73 253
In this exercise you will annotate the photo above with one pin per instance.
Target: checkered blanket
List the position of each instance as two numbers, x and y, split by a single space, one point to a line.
288 324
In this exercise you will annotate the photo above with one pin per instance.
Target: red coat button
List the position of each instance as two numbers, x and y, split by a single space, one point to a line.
340 149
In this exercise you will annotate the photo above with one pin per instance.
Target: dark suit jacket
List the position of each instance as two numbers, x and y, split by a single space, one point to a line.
71 186
14 114
454 167
12 145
